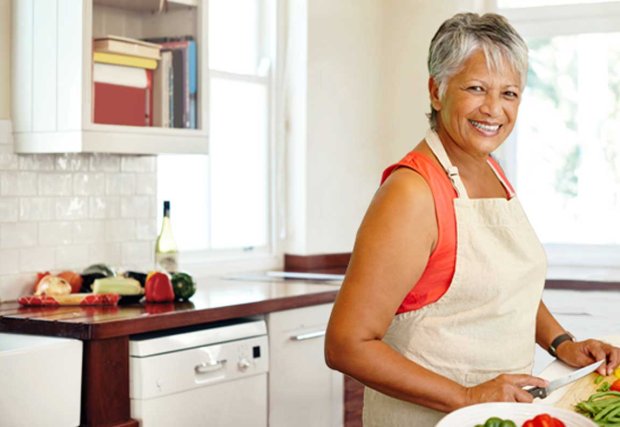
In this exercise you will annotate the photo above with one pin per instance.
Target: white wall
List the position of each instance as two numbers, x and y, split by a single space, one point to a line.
365 100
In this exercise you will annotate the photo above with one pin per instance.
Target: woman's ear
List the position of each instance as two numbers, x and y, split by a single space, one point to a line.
433 90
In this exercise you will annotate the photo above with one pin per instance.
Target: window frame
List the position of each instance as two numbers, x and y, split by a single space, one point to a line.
574 261
219 261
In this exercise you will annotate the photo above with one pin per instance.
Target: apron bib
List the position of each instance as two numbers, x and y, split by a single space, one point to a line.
485 323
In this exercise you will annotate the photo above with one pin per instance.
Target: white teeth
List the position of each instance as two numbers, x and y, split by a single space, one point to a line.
483 127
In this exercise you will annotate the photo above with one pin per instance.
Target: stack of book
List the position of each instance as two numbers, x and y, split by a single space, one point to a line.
123 81
176 83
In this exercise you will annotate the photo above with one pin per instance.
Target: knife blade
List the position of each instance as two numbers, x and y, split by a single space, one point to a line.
543 392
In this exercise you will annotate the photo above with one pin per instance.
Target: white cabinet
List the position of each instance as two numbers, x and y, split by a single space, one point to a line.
52 98
303 391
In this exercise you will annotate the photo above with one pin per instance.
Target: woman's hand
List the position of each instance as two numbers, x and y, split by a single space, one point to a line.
582 353
504 388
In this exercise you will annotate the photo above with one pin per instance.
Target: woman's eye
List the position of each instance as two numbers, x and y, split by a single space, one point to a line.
511 94
476 89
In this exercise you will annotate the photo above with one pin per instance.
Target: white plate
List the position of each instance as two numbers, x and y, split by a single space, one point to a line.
470 416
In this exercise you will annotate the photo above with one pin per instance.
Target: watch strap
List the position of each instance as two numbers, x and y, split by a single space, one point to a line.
553 347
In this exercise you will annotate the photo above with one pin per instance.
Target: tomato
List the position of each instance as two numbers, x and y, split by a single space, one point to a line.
74 279
615 386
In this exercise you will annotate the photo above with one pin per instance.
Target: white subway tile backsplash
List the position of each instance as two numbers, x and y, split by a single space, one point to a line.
146 183
17 183
37 259
9 161
136 207
89 231
102 207
55 184
36 162
137 253
72 162
108 253
9 209
16 285
36 209
9 261
67 211
18 234
71 257
138 163
68 208
120 230
55 233
105 163
120 183
88 184
147 230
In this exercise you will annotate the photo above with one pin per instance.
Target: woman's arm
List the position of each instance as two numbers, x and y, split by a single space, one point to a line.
579 353
391 251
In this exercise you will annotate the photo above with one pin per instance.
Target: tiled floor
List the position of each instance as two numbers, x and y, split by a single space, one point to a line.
587 314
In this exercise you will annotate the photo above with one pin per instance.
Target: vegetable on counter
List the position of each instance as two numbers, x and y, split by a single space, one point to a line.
497 422
93 272
615 386
52 285
543 420
183 286
117 285
158 287
74 279
603 408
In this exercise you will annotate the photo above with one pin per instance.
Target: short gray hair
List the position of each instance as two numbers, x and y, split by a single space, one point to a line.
460 36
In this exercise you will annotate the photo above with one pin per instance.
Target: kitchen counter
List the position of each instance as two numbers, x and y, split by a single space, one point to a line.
106 330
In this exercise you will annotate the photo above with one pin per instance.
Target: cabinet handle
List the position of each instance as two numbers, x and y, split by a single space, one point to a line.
211 366
308 336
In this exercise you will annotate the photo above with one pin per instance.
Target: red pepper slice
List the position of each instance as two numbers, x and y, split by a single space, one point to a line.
615 386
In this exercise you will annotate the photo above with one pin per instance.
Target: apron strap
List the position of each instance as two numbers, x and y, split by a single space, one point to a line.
453 172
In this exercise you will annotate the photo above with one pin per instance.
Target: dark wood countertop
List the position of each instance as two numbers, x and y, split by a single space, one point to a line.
216 299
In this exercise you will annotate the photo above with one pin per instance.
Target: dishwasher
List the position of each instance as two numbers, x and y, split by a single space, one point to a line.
214 375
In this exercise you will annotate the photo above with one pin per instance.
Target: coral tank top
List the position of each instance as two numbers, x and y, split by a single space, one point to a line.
437 275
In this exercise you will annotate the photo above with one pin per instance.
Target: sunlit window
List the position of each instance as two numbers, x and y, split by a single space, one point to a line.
222 201
564 156
539 3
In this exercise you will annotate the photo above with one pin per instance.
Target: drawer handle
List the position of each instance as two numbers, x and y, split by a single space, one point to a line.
308 336
211 366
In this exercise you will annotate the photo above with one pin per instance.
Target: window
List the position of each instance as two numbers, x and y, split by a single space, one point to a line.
222 202
564 155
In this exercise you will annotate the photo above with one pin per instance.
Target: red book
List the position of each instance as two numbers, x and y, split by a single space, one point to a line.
121 105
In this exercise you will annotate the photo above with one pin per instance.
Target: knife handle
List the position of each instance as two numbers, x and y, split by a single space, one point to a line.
537 392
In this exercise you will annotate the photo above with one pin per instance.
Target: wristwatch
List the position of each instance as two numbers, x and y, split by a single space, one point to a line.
553 347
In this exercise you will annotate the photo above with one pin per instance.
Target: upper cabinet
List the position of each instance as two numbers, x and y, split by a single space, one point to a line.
110 76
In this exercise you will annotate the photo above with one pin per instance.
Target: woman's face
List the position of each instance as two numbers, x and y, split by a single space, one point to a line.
479 107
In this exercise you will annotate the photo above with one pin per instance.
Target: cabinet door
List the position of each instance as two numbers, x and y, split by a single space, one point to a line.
303 391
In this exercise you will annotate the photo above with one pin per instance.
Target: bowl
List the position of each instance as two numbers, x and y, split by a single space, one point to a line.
470 416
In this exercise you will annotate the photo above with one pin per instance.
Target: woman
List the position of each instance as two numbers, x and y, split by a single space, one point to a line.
446 247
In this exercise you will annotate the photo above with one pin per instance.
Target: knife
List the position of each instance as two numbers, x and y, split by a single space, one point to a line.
543 392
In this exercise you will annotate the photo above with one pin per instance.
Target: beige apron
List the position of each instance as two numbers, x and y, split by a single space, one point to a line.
485 323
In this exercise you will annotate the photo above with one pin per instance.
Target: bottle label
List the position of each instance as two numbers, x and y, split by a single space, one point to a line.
167 262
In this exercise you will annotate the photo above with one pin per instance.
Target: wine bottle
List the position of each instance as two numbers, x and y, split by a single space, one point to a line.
166 253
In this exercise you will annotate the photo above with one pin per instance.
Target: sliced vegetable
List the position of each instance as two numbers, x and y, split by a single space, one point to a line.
183 285
604 387
598 379
74 279
159 288
615 386
52 285
543 420
117 285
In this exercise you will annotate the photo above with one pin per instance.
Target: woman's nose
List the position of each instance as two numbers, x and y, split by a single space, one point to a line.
491 106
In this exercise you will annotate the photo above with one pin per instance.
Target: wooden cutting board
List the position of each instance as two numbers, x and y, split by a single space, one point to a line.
580 390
